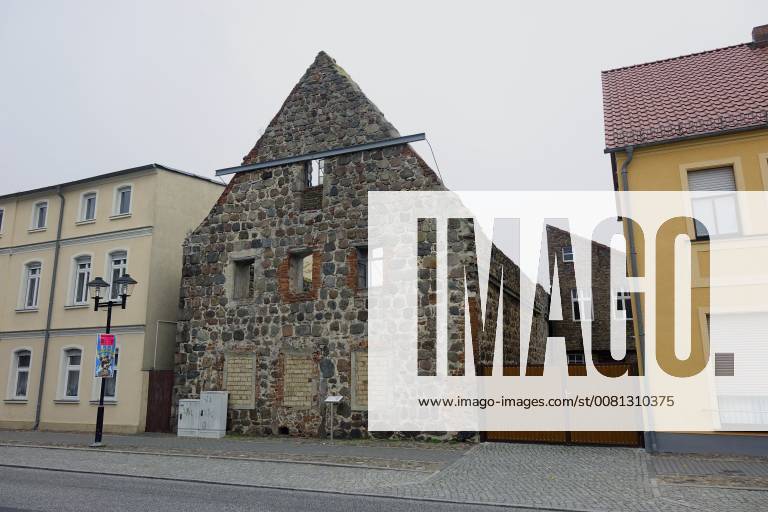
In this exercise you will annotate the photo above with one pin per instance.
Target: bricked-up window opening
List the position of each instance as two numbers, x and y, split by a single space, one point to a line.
581 306
243 279
376 267
301 272
362 268
623 306
314 172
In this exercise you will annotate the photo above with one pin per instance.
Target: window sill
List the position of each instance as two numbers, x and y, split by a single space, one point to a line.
85 222
67 401
36 230
120 216
27 310
77 306
106 402
20 401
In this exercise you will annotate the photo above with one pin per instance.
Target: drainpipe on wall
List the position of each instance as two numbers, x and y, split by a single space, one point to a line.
49 317
649 436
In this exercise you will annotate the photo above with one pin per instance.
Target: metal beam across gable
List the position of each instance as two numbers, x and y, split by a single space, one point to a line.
323 154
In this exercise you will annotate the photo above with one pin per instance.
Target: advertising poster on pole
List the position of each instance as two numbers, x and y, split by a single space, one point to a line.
105 356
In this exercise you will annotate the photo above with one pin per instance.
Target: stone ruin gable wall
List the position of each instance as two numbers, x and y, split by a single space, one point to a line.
325 110
557 239
260 218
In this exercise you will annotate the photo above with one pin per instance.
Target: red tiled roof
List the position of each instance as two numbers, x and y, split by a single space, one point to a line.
698 94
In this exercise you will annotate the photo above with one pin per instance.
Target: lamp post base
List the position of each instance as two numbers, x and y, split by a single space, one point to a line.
96 445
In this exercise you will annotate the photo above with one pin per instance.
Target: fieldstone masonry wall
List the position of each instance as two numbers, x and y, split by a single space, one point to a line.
301 344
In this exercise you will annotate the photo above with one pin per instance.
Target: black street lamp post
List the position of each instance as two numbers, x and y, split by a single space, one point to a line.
124 287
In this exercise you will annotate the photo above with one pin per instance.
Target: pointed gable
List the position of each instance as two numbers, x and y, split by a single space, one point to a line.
325 110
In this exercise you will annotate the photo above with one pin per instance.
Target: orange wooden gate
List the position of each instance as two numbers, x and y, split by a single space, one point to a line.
621 438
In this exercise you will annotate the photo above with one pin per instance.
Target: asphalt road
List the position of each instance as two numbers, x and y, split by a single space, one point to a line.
37 490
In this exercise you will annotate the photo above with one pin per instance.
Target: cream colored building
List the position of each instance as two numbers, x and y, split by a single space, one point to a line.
52 242
698 123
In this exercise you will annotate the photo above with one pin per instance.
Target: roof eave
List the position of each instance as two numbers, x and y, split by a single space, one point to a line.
114 174
684 138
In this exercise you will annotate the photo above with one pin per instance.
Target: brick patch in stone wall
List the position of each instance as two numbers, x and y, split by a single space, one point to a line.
298 387
360 380
240 380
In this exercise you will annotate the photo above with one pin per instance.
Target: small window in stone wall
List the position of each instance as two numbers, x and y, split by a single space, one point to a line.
362 268
301 272
314 171
243 277
376 267
312 185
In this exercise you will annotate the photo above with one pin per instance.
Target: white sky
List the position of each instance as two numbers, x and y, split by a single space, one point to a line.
509 94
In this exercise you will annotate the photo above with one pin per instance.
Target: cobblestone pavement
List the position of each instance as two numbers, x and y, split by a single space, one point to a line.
524 475
573 478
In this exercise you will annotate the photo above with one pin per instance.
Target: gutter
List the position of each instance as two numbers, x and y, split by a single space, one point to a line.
684 138
649 436
49 316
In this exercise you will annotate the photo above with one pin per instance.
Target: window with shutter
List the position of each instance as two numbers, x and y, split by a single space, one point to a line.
714 203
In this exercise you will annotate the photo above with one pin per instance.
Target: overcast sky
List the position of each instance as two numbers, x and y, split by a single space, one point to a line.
508 94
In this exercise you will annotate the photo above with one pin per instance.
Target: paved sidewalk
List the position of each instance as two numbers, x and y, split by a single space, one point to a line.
384 454
548 477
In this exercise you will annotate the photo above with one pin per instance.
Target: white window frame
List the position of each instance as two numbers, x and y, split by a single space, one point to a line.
582 300
65 368
710 198
36 215
568 250
116 211
376 267
83 214
2 220
14 374
111 256
76 272
625 298
25 285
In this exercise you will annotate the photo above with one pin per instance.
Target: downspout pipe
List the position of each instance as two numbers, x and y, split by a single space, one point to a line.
649 436
49 316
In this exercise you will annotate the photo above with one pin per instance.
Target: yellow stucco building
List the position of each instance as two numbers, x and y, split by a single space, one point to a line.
52 242
698 123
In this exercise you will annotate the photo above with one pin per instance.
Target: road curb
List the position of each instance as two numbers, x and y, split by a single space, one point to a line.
307 490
